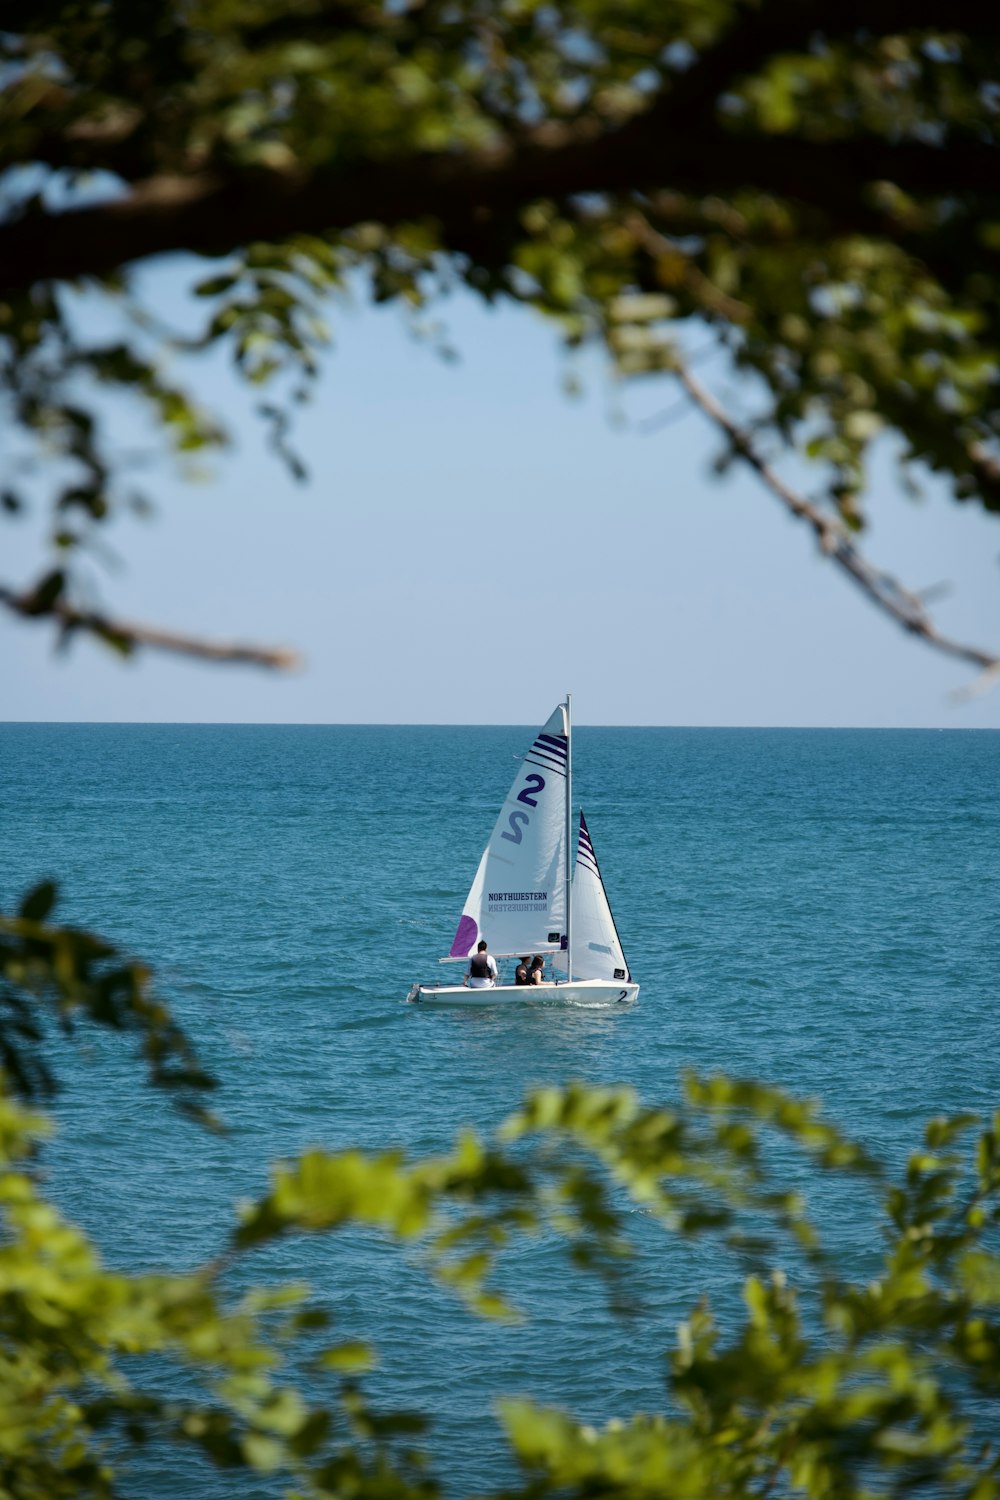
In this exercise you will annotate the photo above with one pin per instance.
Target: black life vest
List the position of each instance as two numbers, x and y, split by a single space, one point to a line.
521 974
479 967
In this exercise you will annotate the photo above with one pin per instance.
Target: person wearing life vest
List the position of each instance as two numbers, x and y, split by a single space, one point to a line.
522 973
482 973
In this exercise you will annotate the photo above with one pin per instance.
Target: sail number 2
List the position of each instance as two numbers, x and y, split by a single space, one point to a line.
533 784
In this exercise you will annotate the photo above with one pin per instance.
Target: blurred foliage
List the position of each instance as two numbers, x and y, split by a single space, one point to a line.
825 1387
813 187
813 190
65 978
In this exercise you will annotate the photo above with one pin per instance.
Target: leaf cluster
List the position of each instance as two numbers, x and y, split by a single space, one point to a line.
60 977
828 1388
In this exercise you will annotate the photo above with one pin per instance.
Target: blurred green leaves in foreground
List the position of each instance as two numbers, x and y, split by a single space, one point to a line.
62 977
821 1386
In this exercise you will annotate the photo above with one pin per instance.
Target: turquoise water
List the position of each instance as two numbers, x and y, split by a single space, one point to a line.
820 909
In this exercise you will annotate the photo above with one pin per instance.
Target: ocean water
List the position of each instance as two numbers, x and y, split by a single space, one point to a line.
818 909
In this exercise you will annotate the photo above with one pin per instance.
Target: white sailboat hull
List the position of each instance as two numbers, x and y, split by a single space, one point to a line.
595 992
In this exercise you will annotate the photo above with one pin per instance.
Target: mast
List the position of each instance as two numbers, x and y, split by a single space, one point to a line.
570 845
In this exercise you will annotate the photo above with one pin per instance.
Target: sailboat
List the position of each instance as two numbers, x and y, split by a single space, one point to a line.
538 890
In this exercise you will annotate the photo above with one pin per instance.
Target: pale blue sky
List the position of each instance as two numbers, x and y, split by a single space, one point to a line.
471 544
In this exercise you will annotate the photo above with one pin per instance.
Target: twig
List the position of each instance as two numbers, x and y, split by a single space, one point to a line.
885 591
701 288
979 686
129 634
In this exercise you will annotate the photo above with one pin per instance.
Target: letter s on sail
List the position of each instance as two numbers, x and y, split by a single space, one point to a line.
515 820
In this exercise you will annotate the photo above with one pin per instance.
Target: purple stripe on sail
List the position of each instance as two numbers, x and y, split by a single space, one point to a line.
585 850
465 937
547 754
547 765
555 743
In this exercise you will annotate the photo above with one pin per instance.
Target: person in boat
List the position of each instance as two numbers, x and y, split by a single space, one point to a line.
537 973
482 974
522 974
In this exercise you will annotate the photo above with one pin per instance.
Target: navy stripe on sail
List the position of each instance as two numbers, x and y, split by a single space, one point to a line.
544 753
585 851
553 742
546 765
550 752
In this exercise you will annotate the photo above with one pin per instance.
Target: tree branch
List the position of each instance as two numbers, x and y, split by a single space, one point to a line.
127 635
761 31
676 143
215 212
701 288
902 605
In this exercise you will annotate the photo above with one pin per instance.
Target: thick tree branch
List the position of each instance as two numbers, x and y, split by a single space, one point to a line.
214 213
676 144
902 605
128 634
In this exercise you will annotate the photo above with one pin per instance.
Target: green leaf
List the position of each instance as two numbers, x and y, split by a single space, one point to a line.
38 902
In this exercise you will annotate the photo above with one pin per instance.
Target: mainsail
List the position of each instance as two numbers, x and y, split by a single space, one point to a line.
518 899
